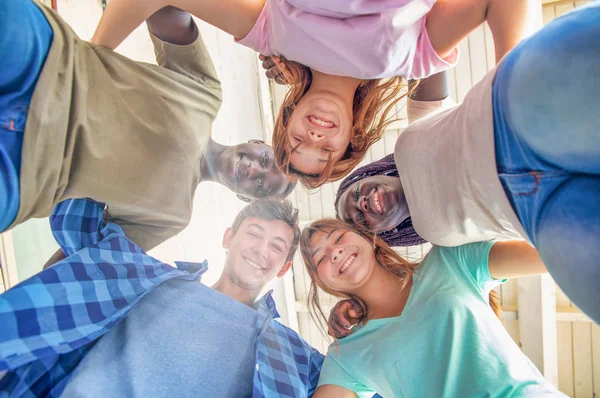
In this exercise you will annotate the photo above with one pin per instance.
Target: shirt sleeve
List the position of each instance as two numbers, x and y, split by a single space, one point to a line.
192 60
142 234
419 109
333 373
76 224
474 259
315 365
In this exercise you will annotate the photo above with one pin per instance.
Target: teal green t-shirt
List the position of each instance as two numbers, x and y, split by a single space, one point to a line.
447 343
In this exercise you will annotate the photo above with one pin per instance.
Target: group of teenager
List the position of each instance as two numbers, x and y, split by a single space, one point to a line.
503 185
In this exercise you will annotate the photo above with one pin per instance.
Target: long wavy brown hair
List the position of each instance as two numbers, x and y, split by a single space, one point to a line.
373 110
385 256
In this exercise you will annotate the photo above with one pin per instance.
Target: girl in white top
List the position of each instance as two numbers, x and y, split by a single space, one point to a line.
426 330
520 157
341 49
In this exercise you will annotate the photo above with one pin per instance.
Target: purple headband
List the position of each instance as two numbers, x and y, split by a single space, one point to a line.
403 234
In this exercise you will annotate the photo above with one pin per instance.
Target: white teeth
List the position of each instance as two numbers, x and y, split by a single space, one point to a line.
254 264
376 200
347 263
320 122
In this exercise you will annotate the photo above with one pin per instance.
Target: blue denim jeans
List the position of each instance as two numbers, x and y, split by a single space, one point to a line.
25 38
546 98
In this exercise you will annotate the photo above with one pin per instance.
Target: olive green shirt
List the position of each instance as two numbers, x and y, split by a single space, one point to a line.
125 133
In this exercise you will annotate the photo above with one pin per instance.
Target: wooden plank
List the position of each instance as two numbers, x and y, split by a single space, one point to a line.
8 260
537 323
314 202
490 52
582 360
328 198
512 327
563 8
596 358
548 14
478 56
510 292
463 77
565 357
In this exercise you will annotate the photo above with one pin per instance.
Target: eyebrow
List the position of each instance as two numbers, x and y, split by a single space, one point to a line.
256 226
282 241
328 236
260 227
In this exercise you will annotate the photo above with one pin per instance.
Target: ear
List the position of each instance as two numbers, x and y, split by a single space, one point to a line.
286 267
244 198
227 236
253 141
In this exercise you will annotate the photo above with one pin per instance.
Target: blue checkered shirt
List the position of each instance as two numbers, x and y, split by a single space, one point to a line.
50 321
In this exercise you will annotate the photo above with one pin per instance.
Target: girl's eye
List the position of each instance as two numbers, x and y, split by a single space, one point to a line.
340 237
320 261
357 193
253 234
265 161
328 150
277 248
297 138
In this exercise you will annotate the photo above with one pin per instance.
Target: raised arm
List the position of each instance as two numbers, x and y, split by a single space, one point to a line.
513 259
121 17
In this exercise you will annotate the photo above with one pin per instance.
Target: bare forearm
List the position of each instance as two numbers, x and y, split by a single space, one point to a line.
173 25
121 17
514 259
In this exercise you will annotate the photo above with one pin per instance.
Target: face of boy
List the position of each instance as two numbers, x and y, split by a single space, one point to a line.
250 171
257 252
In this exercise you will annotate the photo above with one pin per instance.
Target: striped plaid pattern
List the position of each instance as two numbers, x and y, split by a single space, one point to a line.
50 321
286 365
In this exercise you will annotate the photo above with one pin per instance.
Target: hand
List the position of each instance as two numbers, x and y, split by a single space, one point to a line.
343 316
275 68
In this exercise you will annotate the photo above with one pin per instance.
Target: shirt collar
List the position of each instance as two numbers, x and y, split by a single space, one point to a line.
266 304
192 268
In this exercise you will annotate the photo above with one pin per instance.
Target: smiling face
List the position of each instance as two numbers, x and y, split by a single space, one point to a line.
249 170
257 252
319 130
344 261
377 202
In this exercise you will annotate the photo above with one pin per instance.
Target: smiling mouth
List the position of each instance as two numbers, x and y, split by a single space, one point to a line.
253 264
376 201
320 122
347 263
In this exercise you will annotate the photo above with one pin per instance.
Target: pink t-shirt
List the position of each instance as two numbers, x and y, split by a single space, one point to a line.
366 39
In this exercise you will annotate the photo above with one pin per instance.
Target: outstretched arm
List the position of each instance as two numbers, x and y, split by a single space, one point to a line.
513 259
121 17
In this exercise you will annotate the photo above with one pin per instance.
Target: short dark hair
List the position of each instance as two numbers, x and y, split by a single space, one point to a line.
272 209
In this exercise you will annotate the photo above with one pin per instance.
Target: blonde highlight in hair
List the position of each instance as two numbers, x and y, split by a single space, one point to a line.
373 110
385 257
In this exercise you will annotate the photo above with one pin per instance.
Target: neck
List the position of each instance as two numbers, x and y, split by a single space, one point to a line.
226 286
342 86
208 162
385 294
